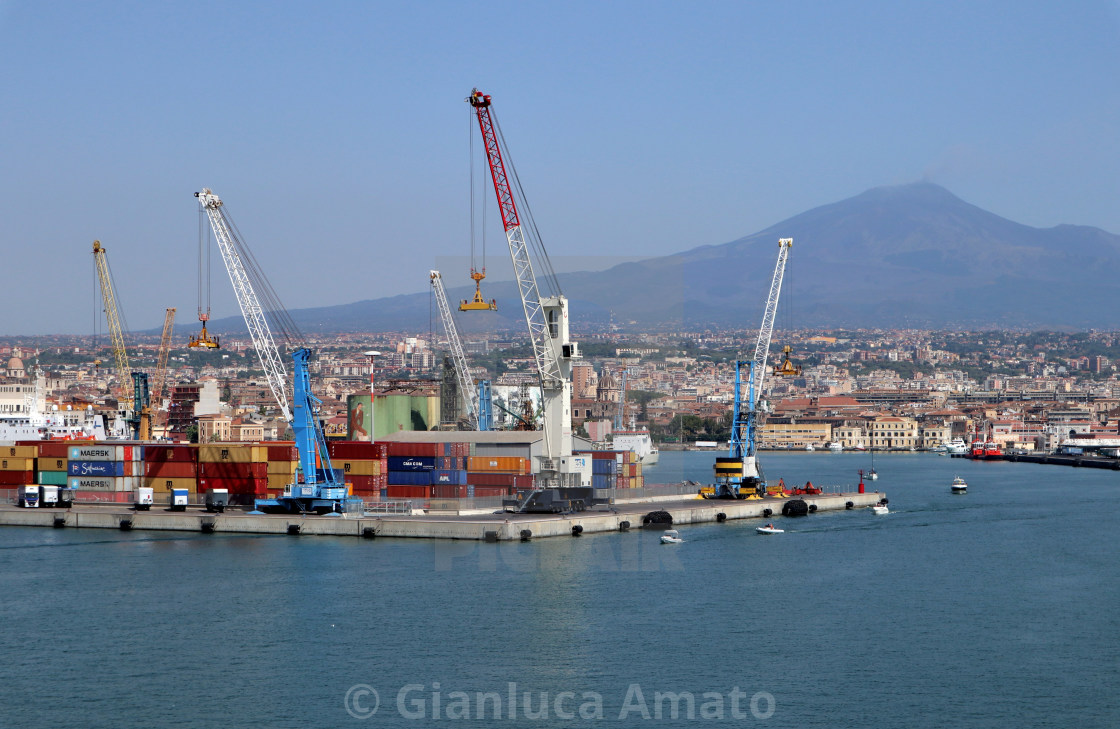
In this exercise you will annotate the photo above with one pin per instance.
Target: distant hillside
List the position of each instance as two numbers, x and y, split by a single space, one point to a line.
906 256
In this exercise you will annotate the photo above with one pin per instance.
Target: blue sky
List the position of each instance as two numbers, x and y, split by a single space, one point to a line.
338 137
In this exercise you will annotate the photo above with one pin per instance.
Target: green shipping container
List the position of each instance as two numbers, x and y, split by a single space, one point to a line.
52 478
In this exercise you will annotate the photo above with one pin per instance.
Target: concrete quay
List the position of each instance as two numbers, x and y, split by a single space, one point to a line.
489 527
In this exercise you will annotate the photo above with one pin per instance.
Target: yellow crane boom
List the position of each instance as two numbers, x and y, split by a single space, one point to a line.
120 355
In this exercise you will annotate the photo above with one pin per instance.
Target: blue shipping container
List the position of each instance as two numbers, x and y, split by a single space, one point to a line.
412 463
96 468
602 481
409 478
454 478
603 466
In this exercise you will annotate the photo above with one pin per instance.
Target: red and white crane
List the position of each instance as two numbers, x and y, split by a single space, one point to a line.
545 315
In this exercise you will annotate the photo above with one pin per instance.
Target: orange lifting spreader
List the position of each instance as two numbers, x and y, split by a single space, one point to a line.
479 304
787 368
204 339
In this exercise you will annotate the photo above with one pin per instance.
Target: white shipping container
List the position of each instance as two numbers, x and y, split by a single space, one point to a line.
98 483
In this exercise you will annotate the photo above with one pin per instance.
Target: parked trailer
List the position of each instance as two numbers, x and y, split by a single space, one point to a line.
28 496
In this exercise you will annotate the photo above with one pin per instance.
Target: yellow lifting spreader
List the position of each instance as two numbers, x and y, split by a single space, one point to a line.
204 339
478 304
787 368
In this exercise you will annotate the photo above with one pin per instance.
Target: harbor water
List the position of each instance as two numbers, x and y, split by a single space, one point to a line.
994 608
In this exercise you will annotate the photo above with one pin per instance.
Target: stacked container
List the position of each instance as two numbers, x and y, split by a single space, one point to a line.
52 462
363 466
239 468
498 475
104 468
17 466
615 469
283 461
170 467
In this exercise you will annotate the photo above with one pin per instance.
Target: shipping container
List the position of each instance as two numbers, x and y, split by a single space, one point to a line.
170 469
408 492
105 497
452 478
603 467
232 469
602 481
52 449
409 478
490 491
232 453
180 453
356 450
500 464
110 469
481 478
359 468
362 483
17 478
405 450
18 451
279 481
21 463
102 483
412 463
163 485
53 478
446 491
283 452
52 464
234 485
276 468
104 452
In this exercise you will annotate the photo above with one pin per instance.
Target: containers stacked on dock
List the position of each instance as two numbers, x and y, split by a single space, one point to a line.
170 467
614 469
363 466
498 475
17 466
104 468
410 469
53 459
239 468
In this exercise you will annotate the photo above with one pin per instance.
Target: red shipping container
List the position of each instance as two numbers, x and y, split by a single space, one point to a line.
49 448
523 483
361 483
409 492
16 478
448 491
282 452
482 478
429 450
484 491
184 453
234 485
355 450
226 469
170 469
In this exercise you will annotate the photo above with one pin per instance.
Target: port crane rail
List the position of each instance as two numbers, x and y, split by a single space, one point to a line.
458 356
545 317
316 487
229 243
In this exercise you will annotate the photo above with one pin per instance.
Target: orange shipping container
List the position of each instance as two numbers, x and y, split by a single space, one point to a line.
28 451
232 453
286 468
52 464
498 464
279 481
358 468
17 463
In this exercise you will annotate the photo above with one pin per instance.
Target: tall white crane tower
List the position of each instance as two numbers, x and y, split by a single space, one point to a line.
458 356
251 308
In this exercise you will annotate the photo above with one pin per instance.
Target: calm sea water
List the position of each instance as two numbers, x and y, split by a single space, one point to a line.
997 608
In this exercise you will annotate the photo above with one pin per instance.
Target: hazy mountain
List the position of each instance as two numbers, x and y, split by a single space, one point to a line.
909 255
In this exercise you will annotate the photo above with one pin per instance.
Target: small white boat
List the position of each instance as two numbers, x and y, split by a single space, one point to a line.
873 474
959 486
671 537
880 509
835 446
769 529
809 447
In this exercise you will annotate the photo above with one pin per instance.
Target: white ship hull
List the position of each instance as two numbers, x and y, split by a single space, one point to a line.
640 443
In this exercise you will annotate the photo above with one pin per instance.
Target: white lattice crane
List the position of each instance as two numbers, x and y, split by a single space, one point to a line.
458 356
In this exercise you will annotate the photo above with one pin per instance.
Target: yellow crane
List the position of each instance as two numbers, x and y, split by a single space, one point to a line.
109 300
154 411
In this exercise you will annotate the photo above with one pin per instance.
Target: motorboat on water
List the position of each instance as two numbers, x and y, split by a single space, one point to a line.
880 509
956 447
769 529
835 446
959 486
671 537
809 447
